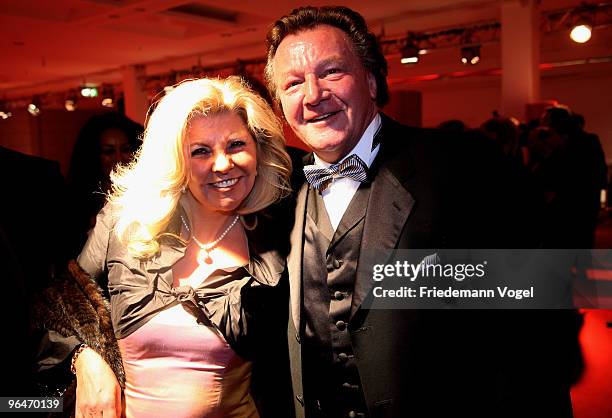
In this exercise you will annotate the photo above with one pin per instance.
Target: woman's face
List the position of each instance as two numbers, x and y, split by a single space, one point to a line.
114 148
222 163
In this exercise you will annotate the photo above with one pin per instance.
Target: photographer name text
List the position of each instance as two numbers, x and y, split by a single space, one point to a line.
426 292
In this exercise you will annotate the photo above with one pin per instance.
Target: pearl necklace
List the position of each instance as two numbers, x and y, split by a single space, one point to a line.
204 255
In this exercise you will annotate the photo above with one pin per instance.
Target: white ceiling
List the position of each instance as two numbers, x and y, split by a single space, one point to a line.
56 42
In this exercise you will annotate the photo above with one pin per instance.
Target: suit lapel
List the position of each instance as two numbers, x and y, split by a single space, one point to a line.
315 209
355 212
388 208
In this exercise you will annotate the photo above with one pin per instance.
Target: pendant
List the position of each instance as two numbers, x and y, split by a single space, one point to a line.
204 257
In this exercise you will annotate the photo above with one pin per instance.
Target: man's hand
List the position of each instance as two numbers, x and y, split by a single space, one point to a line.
98 393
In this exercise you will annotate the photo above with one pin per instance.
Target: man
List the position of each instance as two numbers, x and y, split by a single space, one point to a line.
580 177
399 187
33 246
29 183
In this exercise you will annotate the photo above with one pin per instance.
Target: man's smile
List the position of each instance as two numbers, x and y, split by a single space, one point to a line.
322 117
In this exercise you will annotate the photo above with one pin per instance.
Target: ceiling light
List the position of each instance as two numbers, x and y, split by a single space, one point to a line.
70 105
470 55
34 107
89 91
71 101
410 53
108 99
581 33
4 111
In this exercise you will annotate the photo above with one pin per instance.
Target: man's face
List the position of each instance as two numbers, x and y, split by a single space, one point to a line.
328 98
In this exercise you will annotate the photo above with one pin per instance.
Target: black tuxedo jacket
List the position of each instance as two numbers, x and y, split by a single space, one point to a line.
33 213
429 191
32 238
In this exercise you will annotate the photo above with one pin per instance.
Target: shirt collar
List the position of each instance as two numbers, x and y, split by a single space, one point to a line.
363 149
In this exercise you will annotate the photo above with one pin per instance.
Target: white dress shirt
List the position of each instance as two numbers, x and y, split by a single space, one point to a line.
339 194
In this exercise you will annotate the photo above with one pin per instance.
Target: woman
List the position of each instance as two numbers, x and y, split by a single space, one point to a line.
104 141
190 274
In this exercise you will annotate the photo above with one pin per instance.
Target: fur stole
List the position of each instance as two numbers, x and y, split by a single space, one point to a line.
74 306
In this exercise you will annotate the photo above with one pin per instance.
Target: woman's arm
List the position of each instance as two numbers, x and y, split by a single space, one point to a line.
97 390
93 255
56 347
75 310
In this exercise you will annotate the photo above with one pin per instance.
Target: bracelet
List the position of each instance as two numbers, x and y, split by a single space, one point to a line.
76 354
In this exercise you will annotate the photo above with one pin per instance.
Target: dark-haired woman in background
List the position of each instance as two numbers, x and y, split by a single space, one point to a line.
104 141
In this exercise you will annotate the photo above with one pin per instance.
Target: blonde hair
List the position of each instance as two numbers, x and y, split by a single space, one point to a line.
145 193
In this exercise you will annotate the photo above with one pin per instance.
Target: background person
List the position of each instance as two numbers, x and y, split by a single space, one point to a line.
104 141
33 248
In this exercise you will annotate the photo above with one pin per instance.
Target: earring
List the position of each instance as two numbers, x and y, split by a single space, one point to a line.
184 190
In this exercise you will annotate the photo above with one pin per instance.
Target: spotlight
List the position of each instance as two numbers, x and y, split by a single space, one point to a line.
108 96
410 49
410 52
4 113
470 54
108 102
71 102
581 33
70 105
89 90
34 107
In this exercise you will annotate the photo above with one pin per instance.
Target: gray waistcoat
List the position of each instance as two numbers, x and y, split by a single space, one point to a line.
331 379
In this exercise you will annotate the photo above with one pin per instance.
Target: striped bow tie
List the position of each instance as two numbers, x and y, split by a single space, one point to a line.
320 178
